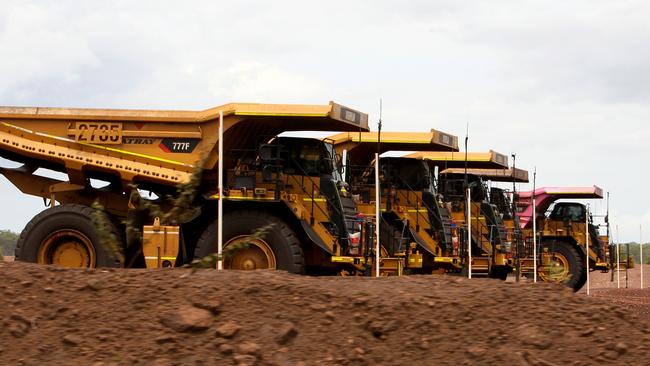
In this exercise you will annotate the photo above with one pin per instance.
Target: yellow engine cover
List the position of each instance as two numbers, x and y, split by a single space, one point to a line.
160 245
414 260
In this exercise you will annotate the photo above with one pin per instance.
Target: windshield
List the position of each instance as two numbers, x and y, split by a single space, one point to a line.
306 156
573 212
405 173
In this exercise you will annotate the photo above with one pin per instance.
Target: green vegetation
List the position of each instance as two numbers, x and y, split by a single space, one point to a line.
174 210
106 235
8 240
630 262
634 252
210 261
182 206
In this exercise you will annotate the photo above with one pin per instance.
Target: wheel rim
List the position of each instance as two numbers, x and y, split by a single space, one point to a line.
257 255
557 269
67 248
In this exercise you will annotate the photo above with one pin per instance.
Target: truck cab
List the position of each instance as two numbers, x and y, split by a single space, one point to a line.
562 231
568 218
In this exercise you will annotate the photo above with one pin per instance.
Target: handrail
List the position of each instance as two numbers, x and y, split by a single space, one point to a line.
481 229
516 229
410 189
311 196
302 187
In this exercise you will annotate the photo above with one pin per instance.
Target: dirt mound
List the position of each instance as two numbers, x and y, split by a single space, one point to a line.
167 317
632 299
635 300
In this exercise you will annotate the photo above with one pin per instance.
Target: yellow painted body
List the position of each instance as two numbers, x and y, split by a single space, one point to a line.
408 206
490 159
161 148
480 236
138 146
310 209
160 245
496 175
360 149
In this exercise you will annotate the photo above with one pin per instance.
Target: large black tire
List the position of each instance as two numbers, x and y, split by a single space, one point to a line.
281 239
61 219
575 261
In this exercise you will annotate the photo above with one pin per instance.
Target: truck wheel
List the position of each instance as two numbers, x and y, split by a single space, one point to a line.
279 249
566 265
65 235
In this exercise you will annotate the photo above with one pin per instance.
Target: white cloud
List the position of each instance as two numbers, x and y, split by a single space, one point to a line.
39 44
254 81
565 86
631 227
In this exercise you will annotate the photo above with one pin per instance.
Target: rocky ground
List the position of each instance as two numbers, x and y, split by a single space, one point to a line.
632 298
167 317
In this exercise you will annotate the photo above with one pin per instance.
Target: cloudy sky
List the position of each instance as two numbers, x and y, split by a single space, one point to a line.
565 85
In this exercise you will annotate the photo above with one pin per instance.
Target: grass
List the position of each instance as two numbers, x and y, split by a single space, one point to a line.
182 209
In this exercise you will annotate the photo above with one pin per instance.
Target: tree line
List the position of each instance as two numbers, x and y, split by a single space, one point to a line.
633 252
8 241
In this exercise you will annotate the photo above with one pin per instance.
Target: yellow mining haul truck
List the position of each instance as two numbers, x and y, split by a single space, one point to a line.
501 201
289 185
406 190
562 231
491 252
502 206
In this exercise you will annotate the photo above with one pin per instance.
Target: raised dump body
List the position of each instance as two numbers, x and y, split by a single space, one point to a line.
266 185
